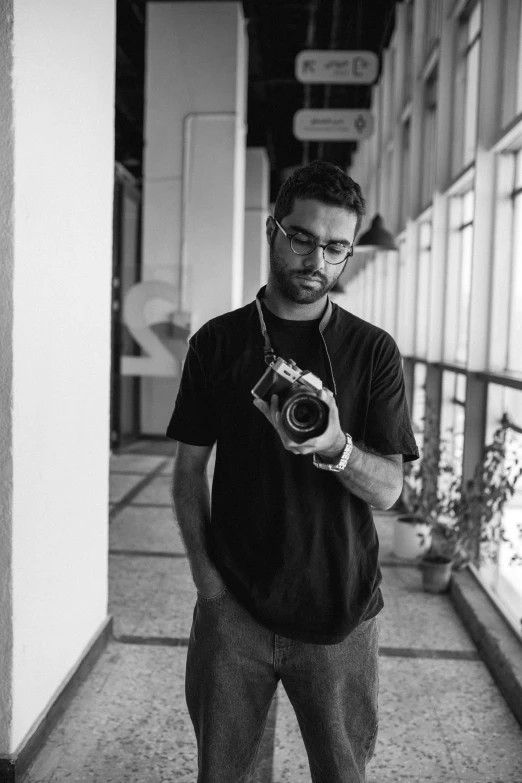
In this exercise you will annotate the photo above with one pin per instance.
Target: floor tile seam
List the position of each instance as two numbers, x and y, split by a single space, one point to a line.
128 472
150 505
127 499
145 553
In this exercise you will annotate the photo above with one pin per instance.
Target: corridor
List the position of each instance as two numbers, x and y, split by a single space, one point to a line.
442 718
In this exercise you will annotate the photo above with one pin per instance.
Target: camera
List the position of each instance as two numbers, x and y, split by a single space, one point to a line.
303 414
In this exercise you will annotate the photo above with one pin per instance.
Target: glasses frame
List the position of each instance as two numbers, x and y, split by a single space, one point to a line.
349 254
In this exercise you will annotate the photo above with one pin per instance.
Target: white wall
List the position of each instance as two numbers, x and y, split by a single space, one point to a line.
6 354
193 207
63 82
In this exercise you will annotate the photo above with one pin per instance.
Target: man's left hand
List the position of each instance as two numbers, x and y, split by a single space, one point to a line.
329 445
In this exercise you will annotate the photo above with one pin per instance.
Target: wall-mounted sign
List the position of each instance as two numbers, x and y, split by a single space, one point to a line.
333 67
333 124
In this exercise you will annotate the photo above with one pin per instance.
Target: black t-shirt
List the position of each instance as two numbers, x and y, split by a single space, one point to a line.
295 547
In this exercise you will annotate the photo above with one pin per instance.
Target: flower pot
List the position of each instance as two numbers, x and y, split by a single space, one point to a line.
436 573
411 537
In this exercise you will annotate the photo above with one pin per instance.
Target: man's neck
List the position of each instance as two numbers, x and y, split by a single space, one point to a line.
292 311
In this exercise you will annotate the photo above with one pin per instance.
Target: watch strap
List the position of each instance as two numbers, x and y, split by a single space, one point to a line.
339 466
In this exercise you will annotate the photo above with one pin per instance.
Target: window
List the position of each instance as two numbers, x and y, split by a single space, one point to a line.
423 289
429 120
458 279
369 290
452 417
452 420
418 408
380 288
514 357
408 54
504 578
391 266
506 321
465 92
405 300
405 174
432 29
511 46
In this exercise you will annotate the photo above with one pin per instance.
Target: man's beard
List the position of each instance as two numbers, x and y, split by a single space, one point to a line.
289 285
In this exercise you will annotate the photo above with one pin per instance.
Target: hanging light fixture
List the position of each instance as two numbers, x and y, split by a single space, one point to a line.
377 236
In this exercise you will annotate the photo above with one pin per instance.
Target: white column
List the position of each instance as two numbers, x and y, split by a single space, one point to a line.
255 269
194 173
56 193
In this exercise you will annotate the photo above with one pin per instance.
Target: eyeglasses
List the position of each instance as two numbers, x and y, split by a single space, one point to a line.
304 244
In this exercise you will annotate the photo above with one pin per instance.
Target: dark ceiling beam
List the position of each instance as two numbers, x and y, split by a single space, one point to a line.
310 40
136 9
332 44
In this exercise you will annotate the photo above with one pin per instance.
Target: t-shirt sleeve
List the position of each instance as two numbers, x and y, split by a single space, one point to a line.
193 420
389 429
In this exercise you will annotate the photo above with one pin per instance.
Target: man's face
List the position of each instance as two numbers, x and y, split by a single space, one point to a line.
305 279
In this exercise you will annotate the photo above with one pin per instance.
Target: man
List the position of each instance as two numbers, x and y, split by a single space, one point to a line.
284 557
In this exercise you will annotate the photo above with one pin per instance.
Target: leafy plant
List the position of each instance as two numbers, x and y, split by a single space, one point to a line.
468 525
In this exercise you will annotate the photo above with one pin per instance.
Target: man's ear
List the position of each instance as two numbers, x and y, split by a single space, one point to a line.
270 228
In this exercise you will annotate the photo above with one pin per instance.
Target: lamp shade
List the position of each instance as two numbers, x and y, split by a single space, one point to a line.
378 236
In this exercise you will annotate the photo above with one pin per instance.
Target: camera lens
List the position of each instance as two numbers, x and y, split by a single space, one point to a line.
304 415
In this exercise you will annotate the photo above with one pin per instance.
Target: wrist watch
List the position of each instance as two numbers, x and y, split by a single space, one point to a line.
339 466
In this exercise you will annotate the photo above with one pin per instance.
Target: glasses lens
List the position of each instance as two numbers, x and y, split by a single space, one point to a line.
302 244
335 254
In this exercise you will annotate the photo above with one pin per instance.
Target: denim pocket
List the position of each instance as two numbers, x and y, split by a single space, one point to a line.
214 598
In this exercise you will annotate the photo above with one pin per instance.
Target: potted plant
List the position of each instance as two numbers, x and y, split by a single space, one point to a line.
415 518
416 508
468 525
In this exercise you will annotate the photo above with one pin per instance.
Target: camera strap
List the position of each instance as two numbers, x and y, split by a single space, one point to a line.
268 351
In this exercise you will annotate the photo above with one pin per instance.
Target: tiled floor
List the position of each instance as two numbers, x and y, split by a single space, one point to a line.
441 718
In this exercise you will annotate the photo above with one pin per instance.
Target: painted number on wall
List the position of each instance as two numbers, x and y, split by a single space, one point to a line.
161 358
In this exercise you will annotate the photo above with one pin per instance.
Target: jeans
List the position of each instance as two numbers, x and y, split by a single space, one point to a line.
233 667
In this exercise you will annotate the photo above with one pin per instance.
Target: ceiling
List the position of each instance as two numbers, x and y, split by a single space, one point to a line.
277 31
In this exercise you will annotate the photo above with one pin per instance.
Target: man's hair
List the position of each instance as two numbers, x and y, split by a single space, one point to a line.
324 182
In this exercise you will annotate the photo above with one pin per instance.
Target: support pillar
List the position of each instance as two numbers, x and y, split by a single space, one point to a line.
56 203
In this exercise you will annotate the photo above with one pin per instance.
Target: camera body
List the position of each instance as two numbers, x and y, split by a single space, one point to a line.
303 414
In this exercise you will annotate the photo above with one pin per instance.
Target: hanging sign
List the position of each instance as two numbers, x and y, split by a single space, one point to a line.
333 124
334 67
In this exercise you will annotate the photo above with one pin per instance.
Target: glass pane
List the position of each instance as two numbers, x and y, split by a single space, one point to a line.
379 289
390 299
368 291
419 402
402 295
518 100
459 93
515 320
468 206
474 22
405 177
423 290
452 417
470 117
518 168
452 280
465 293
505 577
